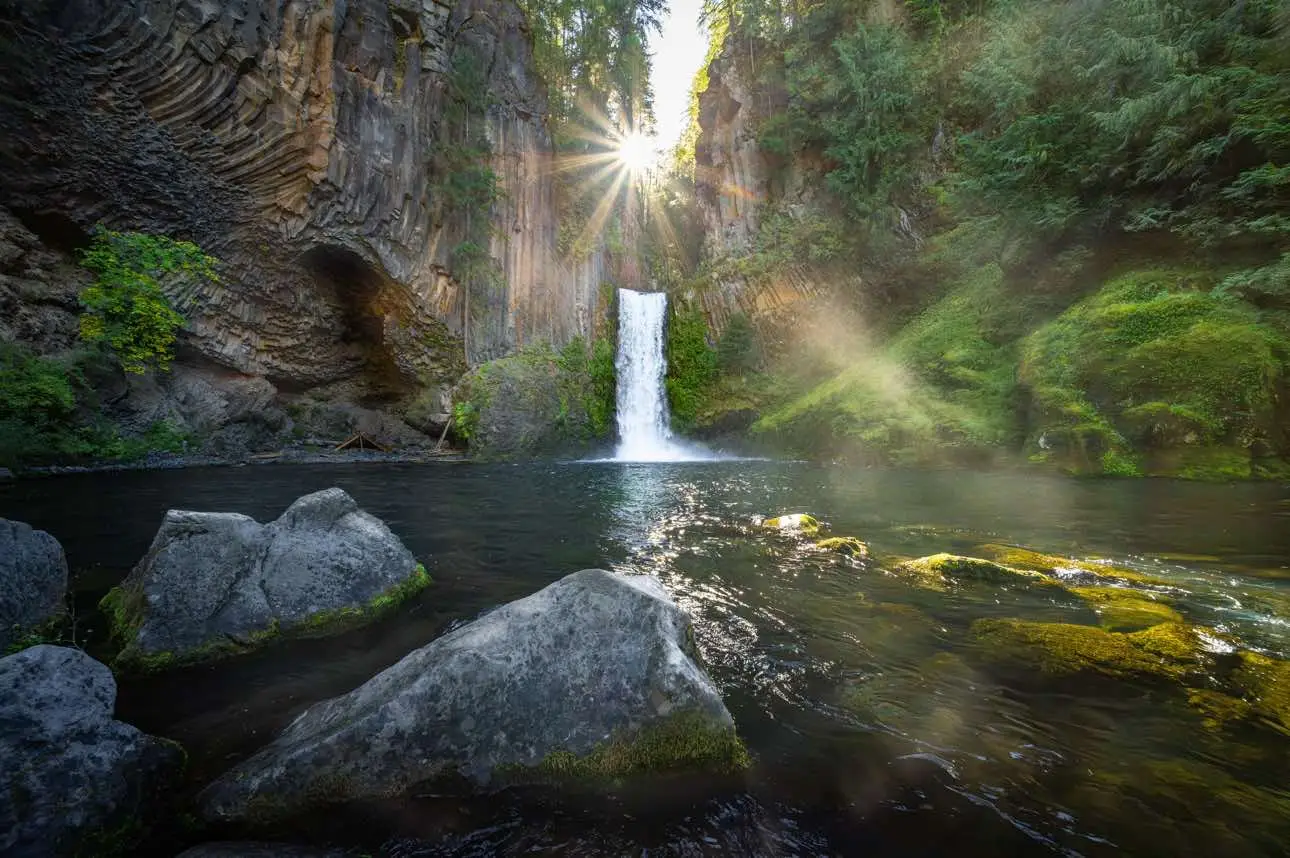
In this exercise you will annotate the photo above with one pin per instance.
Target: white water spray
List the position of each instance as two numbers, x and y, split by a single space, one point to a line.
643 431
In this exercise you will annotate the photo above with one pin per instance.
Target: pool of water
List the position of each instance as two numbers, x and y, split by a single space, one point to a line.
877 725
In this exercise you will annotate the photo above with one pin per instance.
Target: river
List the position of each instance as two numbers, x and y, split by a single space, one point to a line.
876 724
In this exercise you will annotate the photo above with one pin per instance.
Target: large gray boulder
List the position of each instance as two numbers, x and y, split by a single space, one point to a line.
71 774
590 678
216 583
33 580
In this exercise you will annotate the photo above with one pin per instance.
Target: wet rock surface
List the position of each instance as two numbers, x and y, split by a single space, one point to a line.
33 580
590 677
71 773
217 581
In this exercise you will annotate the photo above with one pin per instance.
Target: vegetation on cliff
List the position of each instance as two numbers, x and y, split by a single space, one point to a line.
50 406
1069 223
538 400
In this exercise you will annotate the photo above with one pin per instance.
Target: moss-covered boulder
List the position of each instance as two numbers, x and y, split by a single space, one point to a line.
1070 570
1265 684
1156 373
214 584
1169 650
591 679
1123 609
939 571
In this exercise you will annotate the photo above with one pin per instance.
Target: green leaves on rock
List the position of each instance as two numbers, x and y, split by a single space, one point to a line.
125 307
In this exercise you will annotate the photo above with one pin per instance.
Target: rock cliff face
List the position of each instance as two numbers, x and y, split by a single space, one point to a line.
735 182
295 141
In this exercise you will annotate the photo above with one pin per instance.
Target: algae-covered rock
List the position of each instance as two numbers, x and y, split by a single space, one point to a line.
216 583
593 677
1123 609
70 773
847 545
797 522
1169 650
1068 570
1265 683
940 570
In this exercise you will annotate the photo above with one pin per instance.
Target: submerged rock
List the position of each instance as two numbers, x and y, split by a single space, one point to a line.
593 677
33 580
848 545
215 583
940 570
71 774
1076 573
1168 650
1123 609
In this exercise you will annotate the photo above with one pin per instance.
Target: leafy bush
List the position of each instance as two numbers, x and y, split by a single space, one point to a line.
125 307
691 363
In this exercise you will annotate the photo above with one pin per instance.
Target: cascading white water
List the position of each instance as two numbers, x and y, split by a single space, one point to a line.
643 431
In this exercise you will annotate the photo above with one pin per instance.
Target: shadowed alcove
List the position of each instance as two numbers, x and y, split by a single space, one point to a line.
357 290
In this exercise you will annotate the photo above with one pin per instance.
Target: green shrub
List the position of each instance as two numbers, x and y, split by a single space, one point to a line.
691 364
125 307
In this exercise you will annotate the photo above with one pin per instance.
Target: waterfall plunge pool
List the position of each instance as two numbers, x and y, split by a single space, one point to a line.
877 725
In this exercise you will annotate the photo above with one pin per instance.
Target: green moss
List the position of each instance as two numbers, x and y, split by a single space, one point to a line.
1265 683
1208 464
1154 362
684 741
1024 558
1166 651
847 545
1218 709
797 522
341 619
124 609
1123 609
939 570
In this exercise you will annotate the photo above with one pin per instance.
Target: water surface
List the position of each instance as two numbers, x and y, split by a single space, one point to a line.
876 726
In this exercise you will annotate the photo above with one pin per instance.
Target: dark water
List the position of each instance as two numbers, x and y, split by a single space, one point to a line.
876 727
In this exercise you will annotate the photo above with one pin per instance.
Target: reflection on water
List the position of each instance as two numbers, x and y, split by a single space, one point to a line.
878 725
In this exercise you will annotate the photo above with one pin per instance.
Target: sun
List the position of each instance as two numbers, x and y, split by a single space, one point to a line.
636 152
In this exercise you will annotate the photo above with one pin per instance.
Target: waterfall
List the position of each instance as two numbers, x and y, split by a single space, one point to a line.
643 431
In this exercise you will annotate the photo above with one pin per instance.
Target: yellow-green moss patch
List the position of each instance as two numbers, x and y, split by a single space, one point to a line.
1049 564
940 570
1265 683
1122 609
687 741
1169 650
123 606
1216 708
848 545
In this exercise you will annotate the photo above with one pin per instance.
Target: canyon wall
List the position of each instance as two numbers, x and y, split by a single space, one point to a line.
735 183
294 141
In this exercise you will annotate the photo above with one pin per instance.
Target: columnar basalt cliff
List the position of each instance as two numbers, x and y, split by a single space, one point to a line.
735 181
296 142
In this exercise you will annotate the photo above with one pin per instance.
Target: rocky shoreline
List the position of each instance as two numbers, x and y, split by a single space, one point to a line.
592 680
287 456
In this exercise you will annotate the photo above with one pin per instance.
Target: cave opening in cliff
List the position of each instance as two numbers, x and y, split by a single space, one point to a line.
55 230
356 289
